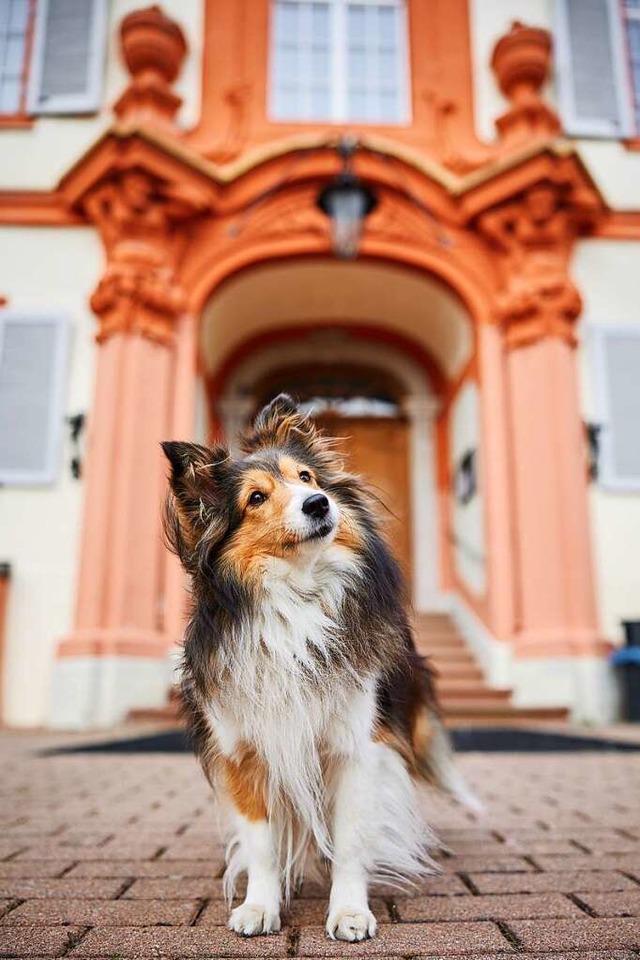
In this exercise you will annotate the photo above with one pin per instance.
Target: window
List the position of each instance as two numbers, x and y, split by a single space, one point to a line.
632 24
16 18
33 359
51 56
598 66
616 366
68 56
339 60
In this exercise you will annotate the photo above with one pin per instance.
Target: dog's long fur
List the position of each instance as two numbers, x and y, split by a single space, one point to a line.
309 705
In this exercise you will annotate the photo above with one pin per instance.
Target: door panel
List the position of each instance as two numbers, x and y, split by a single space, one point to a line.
378 449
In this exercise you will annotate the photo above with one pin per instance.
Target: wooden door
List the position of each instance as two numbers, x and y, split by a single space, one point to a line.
377 448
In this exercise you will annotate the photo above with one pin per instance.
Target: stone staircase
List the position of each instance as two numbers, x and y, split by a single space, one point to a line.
464 695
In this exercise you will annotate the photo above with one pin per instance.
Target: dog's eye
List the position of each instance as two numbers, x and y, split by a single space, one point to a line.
305 476
256 498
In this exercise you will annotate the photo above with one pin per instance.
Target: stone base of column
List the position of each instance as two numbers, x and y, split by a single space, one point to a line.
586 685
100 675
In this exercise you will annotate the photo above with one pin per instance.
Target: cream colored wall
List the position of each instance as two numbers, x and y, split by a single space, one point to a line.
36 158
468 519
608 275
45 270
615 169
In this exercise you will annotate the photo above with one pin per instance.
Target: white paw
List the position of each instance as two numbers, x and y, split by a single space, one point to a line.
351 923
250 919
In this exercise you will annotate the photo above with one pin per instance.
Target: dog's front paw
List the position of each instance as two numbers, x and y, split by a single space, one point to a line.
351 923
250 919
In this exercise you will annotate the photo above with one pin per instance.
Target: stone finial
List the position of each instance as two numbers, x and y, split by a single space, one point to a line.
521 61
154 48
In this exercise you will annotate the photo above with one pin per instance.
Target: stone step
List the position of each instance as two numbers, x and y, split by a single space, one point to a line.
450 690
478 715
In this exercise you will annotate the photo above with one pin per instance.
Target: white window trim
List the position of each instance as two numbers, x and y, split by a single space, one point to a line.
338 66
579 126
87 102
49 474
597 334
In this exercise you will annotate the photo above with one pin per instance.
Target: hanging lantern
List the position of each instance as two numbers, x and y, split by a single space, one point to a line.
347 202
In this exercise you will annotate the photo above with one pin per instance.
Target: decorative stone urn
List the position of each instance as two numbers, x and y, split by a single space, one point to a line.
521 61
154 48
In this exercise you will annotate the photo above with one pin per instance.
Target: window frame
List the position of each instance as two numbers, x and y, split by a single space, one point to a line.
68 104
575 125
50 472
338 114
598 333
22 113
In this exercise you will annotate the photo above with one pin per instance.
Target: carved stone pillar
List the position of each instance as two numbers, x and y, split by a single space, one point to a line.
142 201
536 309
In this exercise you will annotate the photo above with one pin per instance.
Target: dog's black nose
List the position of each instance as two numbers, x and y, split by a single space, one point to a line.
316 506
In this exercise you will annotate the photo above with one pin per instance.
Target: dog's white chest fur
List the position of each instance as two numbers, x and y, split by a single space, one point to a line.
277 697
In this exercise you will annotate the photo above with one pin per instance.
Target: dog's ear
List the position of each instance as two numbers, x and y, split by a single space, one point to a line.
197 479
280 424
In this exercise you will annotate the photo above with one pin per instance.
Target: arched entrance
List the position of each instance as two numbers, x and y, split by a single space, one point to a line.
380 401
372 347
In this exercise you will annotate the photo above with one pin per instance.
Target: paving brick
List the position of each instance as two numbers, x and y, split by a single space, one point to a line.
444 886
588 934
34 868
64 888
399 939
552 882
145 868
182 888
121 913
627 862
491 864
37 941
625 904
523 906
183 942
110 851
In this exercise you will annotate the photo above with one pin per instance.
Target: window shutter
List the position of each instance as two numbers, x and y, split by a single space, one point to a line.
33 354
68 56
617 366
590 63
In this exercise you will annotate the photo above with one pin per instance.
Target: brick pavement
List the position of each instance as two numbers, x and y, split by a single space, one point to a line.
116 856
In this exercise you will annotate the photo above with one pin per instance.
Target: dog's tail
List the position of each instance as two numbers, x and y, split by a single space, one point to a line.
433 753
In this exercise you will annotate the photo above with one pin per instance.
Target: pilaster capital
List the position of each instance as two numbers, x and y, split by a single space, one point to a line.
142 219
533 235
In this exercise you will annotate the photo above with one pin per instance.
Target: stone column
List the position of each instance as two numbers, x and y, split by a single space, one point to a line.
142 202
536 309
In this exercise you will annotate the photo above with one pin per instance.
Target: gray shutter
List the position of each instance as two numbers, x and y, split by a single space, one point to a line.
69 52
32 374
621 409
590 62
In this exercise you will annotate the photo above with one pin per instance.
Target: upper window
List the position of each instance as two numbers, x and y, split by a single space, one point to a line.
51 56
339 60
598 66
15 23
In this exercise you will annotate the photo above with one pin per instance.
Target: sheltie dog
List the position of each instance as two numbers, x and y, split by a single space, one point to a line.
312 714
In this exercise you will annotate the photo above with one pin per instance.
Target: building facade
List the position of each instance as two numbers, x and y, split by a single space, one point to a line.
165 266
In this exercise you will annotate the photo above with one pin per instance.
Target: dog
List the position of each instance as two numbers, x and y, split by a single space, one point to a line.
313 716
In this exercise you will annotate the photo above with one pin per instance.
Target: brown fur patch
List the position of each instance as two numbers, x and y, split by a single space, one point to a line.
391 739
422 731
245 778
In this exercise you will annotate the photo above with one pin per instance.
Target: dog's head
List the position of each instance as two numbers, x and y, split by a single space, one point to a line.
285 497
